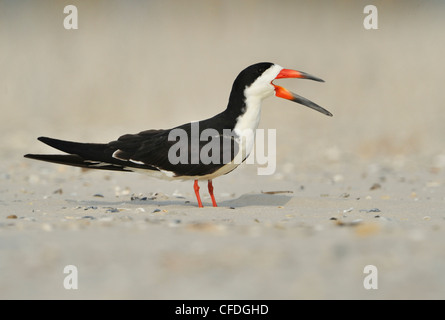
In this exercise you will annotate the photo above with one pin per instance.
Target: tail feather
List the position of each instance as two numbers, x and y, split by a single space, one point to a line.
92 151
86 155
76 161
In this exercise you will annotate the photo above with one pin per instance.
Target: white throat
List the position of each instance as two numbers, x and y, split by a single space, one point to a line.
260 89
248 122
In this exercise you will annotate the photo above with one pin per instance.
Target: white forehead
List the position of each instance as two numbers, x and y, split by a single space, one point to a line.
271 73
262 87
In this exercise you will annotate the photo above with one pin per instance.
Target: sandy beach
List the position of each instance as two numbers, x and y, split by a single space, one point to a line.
363 188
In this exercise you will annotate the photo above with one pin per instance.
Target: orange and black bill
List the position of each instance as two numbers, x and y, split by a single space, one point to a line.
286 94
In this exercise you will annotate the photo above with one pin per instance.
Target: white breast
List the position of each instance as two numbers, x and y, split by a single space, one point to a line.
248 122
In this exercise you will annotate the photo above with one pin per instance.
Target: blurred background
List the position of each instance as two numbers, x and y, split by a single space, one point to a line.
136 65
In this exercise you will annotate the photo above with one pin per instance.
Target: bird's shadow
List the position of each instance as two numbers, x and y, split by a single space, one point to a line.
257 199
245 200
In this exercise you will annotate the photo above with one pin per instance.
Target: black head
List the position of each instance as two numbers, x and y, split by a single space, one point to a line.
251 73
255 82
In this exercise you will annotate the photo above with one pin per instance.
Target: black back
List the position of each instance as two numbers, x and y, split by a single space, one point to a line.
149 149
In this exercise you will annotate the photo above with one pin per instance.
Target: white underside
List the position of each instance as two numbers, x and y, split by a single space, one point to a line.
168 175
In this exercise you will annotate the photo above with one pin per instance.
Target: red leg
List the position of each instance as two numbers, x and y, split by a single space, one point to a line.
211 193
196 187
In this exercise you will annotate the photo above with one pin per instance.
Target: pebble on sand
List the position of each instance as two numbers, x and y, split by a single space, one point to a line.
375 186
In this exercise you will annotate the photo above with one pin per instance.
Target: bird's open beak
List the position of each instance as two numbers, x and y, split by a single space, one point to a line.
286 94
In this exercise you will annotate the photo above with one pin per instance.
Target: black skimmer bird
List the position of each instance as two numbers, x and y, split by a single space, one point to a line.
151 152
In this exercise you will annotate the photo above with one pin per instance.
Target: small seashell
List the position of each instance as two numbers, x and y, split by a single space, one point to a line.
370 210
47 227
